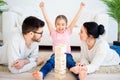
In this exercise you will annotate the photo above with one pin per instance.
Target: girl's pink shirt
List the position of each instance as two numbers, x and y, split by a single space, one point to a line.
61 38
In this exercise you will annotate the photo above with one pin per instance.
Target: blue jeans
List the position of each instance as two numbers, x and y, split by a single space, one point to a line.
49 65
116 48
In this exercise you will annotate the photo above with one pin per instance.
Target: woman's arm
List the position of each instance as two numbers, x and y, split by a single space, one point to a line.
76 16
98 59
45 16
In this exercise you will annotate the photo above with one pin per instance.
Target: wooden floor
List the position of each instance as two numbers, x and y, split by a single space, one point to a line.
105 73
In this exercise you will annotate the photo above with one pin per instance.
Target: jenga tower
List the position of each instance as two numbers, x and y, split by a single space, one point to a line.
60 59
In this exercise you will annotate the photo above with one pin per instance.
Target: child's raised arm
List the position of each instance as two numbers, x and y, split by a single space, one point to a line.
72 24
45 16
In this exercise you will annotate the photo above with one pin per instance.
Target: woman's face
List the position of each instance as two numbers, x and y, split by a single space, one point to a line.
83 34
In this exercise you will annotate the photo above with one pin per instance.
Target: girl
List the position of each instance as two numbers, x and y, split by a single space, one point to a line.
59 36
94 51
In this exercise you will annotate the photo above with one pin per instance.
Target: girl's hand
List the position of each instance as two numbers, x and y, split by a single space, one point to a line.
82 4
41 4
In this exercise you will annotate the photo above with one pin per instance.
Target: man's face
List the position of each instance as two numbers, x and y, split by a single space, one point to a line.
37 35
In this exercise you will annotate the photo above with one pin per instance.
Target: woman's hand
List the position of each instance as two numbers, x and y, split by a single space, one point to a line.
80 64
82 72
78 68
75 69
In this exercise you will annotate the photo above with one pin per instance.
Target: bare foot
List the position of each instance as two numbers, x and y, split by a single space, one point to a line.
75 69
39 61
37 75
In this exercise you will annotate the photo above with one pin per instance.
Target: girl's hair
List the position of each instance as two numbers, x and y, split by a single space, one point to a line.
31 23
94 29
61 17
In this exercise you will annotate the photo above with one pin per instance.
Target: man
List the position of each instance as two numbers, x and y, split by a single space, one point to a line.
21 52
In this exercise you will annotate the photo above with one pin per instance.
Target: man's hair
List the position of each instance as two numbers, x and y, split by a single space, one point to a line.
31 23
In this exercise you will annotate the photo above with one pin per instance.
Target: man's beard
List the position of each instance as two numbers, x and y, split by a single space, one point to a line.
34 39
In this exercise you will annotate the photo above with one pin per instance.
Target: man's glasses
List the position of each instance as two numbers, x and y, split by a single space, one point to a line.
38 32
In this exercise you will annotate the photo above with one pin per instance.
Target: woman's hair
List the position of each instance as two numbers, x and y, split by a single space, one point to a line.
94 29
61 17
31 24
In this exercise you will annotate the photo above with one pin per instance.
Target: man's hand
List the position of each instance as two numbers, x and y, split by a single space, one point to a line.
39 61
18 64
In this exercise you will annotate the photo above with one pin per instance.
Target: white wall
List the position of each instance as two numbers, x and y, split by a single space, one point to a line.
69 8
66 7
0 27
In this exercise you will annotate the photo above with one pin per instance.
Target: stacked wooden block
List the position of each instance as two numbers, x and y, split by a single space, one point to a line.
60 59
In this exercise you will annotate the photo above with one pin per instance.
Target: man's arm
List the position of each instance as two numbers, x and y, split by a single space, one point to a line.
18 64
15 56
98 58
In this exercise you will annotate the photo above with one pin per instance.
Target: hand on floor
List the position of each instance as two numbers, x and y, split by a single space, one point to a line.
39 61
82 72
75 69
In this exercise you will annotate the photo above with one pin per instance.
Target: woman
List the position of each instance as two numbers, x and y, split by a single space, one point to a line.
95 51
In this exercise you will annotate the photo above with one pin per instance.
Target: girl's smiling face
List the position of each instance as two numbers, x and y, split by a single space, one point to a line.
61 25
